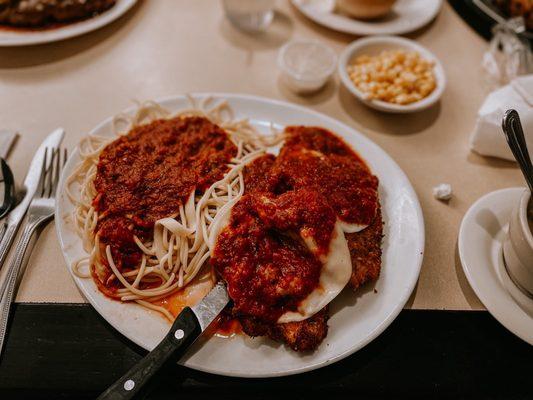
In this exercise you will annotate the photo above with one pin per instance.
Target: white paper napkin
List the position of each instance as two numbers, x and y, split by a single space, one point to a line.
487 138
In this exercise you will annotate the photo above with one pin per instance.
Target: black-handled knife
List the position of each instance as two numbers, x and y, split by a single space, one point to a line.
187 327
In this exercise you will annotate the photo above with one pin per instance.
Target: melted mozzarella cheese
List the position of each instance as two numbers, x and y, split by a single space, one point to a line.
352 228
334 275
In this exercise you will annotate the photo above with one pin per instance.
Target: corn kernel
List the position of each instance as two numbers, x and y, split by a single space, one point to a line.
393 76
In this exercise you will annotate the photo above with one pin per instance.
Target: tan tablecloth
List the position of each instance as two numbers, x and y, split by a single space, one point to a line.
167 47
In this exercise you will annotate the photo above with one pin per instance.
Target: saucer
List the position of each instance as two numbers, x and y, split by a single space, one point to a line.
406 16
481 235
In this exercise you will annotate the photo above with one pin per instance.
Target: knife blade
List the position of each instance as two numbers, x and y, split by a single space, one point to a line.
211 305
31 181
187 327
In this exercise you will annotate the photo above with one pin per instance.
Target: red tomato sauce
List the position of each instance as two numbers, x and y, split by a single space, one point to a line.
262 255
316 158
147 174
225 327
315 179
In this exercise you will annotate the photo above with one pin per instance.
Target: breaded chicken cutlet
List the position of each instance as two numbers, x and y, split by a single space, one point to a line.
365 252
300 336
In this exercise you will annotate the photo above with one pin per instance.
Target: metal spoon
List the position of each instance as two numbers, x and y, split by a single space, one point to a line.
512 128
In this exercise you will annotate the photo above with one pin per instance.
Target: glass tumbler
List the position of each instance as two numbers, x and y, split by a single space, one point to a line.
250 15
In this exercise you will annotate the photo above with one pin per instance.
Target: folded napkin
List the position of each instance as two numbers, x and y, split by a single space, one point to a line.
487 138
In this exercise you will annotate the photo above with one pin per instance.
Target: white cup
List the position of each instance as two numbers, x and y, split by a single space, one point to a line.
306 65
518 247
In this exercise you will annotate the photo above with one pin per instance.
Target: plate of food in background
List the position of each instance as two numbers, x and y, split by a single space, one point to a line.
29 22
370 17
315 230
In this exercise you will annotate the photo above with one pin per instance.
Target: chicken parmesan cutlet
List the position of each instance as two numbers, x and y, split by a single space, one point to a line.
315 182
351 189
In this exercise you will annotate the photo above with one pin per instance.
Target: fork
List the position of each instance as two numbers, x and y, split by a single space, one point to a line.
40 212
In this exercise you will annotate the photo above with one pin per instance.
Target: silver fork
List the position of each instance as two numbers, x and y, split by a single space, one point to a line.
40 212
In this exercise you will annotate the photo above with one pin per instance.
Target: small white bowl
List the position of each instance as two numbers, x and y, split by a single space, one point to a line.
374 46
306 65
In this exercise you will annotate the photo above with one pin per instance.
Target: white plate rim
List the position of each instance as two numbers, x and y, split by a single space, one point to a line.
502 316
420 105
408 286
358 28
10 38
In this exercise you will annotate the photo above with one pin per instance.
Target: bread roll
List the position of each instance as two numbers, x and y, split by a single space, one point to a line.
365 9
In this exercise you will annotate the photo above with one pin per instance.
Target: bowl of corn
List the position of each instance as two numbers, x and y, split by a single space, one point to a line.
392 74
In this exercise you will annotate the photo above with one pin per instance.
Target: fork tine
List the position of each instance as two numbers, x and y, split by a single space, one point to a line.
40 186
49 174
65 159
57 170
53 169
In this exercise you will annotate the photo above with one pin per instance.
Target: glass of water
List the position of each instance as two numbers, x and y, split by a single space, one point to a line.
250 15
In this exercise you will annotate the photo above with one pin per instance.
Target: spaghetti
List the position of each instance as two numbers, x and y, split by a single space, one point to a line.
180 244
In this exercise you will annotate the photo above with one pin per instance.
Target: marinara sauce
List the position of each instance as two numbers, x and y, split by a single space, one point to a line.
263 256
315 158
147 174
315 179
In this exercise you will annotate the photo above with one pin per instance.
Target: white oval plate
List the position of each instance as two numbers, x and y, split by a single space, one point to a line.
375 45
356 318
22 37
481 235
407 16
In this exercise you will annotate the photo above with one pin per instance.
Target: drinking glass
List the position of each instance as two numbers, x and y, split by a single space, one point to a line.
250 15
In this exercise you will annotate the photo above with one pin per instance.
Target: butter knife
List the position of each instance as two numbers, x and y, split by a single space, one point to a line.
187 327
12 223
